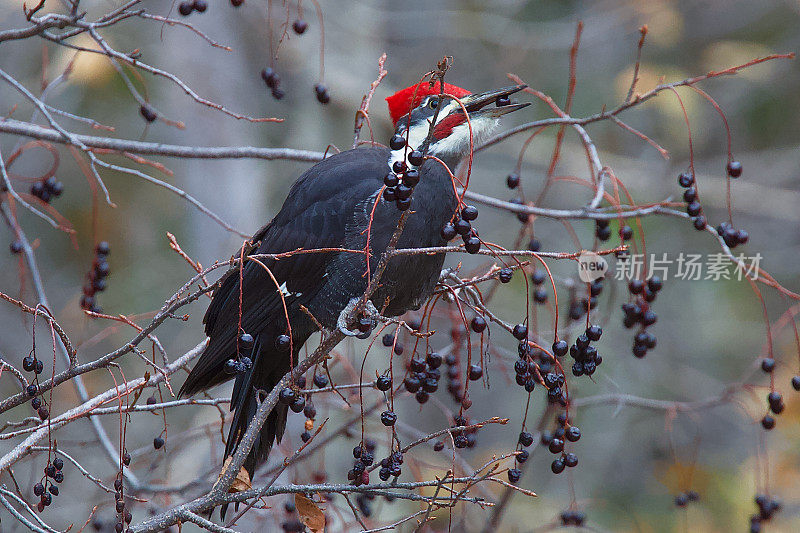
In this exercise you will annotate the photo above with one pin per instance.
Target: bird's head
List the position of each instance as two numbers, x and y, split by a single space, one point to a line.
414 109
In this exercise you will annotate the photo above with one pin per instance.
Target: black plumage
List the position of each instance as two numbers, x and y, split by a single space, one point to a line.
328 207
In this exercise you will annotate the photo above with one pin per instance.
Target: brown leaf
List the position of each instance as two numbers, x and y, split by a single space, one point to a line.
311 515
242 481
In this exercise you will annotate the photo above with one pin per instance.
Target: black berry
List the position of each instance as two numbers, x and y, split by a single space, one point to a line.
512 180
478 324
475 372
469 213
383 383
286 396
572 433
388 418
397 142
300 26
185 8
734 169
323 97
685 180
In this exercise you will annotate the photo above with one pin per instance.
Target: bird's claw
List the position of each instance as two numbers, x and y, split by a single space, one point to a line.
370 311
348 332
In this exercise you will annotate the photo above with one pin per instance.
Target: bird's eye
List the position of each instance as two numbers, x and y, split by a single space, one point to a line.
433 103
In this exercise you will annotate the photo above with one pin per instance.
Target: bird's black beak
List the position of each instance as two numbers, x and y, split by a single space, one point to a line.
477 104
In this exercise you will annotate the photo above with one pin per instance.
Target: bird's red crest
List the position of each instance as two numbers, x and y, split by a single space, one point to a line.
401 102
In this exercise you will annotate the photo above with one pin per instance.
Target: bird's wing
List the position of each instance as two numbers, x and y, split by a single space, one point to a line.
315 215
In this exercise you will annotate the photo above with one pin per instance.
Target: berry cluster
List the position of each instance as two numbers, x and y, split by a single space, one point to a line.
273 81
732 237
463 227
776 405
404 176
555 443
572 518
639 312
124 515
31 363
96 277
525 440
46 489
554 383
390 466
423 375
48 189
585 355
684 498
364 455
291 397
603 232
693 207
538 277
532 362
767 507
464 438
309 410
243 362
454 386
186 8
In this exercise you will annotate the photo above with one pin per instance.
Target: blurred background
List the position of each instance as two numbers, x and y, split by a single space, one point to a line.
633 461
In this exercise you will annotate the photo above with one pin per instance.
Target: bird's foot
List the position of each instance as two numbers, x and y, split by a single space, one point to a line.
370 312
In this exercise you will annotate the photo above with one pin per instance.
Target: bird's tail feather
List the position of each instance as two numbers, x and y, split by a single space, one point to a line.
244 403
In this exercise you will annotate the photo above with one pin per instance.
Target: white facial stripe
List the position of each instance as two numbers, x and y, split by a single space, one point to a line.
458 141
416 137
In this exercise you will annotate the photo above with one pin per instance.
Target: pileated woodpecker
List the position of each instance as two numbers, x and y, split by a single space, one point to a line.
330 206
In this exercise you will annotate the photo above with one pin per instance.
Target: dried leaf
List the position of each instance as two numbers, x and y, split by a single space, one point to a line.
242 481
311 515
